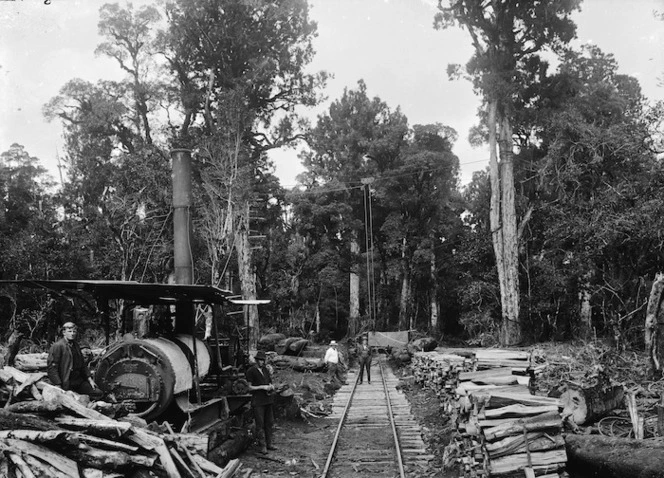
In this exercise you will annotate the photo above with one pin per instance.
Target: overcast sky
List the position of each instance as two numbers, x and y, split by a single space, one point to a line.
391 44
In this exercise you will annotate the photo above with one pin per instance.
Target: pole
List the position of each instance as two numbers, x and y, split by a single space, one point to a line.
366 248
368 227
183 263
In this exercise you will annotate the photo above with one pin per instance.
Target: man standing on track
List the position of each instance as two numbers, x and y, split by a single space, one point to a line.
262 401
333 361
366 355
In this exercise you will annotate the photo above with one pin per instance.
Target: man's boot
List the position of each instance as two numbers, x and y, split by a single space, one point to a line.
268 441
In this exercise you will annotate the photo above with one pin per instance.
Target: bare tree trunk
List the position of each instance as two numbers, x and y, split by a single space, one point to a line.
433 320
247 276
503 224
585 311
654 334
354 306
404 308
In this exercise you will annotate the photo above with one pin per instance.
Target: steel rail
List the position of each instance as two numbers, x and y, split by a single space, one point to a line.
333 448
342 421
402 472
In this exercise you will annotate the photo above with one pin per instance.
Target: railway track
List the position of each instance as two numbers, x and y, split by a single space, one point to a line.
376 434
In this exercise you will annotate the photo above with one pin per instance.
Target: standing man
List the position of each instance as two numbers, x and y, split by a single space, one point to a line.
366 355
262 401
67 368
332 360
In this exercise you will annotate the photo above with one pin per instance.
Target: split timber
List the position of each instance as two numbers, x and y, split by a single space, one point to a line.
503 429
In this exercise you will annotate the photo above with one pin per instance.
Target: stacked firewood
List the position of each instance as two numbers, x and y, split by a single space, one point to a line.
46 432
439 371
504 430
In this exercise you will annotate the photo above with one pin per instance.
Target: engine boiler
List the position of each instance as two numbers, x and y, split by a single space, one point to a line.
152 372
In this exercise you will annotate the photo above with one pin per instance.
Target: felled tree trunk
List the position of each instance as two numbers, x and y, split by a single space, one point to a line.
270 341
609 457
299 364
297 346
235 445
585 405
654 327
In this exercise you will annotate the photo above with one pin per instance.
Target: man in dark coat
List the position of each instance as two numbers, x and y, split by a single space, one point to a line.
365 356
66 366
262 401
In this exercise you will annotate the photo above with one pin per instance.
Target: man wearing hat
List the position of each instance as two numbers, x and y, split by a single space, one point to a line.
365 355
332 360
66 366
262 401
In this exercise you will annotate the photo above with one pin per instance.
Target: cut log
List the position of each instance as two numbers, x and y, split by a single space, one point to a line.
191 441
65 436
517 410
586 405
207 465
484 374
22 466
537 441
31 362
502 397
230 469
609 457
498 355
518 462
425 344
281 347
107 460
15 421
36 406
296 347
267 342
66 399
299 364
41 469
539 422
151 441
182 466
231 447
101 428
60 462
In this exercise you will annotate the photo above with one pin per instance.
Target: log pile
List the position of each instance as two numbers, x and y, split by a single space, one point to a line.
53 433
439 371
503 430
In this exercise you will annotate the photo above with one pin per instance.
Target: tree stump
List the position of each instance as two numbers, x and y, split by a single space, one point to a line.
587 404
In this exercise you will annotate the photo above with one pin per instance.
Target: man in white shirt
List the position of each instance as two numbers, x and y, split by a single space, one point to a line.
332 360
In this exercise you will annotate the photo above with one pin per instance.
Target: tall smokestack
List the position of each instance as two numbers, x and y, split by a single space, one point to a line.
183 262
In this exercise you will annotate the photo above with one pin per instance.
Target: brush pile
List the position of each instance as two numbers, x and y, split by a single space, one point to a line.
46 432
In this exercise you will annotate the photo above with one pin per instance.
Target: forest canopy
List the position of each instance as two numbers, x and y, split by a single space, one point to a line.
380 234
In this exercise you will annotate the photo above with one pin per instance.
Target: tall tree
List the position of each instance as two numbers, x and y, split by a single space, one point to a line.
29 233
418 199
508 38
358 137
129 40
240 70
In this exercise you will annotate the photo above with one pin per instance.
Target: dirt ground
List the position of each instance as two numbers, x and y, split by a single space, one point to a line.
303 443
